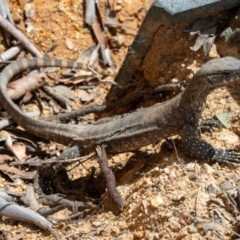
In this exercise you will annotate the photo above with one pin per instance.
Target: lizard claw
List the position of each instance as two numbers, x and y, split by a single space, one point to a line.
226 156
211 123
207 125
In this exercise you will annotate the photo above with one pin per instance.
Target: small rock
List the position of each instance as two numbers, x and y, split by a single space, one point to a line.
117 41
169 214
121 18
174 80
118 8
138 235
148 181
166 170
222 101
156 169
192 229
211 189
174 224
96 224
145 205
192 166
193 177
155 201
151 235
172 175
226 185
208 169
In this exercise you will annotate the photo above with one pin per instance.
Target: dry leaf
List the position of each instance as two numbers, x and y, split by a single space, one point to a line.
85 96
69 43
19 150
5 157
97 25
94 57
18 236
6 168
65 91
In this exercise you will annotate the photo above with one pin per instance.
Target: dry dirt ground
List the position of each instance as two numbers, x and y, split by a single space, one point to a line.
167 196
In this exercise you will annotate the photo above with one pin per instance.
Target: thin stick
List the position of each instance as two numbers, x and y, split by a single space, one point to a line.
11 29
119 25
43 162
109 177
114 105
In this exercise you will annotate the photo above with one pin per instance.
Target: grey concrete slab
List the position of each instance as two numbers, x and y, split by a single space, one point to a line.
167 12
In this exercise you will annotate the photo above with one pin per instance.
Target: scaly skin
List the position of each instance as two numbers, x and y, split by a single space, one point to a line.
129 132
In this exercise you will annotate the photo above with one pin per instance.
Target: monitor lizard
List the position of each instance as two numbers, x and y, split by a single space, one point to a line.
131 131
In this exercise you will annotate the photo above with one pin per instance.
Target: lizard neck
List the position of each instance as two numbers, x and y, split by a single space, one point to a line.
193 100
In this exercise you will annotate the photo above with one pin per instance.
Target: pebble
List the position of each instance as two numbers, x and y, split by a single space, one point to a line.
138 235
145 205
193 177
96 224
226 185
169 214
192 166
155 201
192 230
208 169
166 170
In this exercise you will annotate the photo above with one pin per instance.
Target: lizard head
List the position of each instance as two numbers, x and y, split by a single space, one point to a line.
213 74
220 71
221 65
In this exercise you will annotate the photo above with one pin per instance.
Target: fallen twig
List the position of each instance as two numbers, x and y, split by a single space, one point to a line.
109 177
10 53
57 96
11 29
55 199
117 104
19 213
119 25
47 161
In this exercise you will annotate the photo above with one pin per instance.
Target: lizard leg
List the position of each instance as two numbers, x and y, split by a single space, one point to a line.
47 172
199 149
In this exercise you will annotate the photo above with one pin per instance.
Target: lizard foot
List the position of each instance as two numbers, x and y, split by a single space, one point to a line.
226 156
207 124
